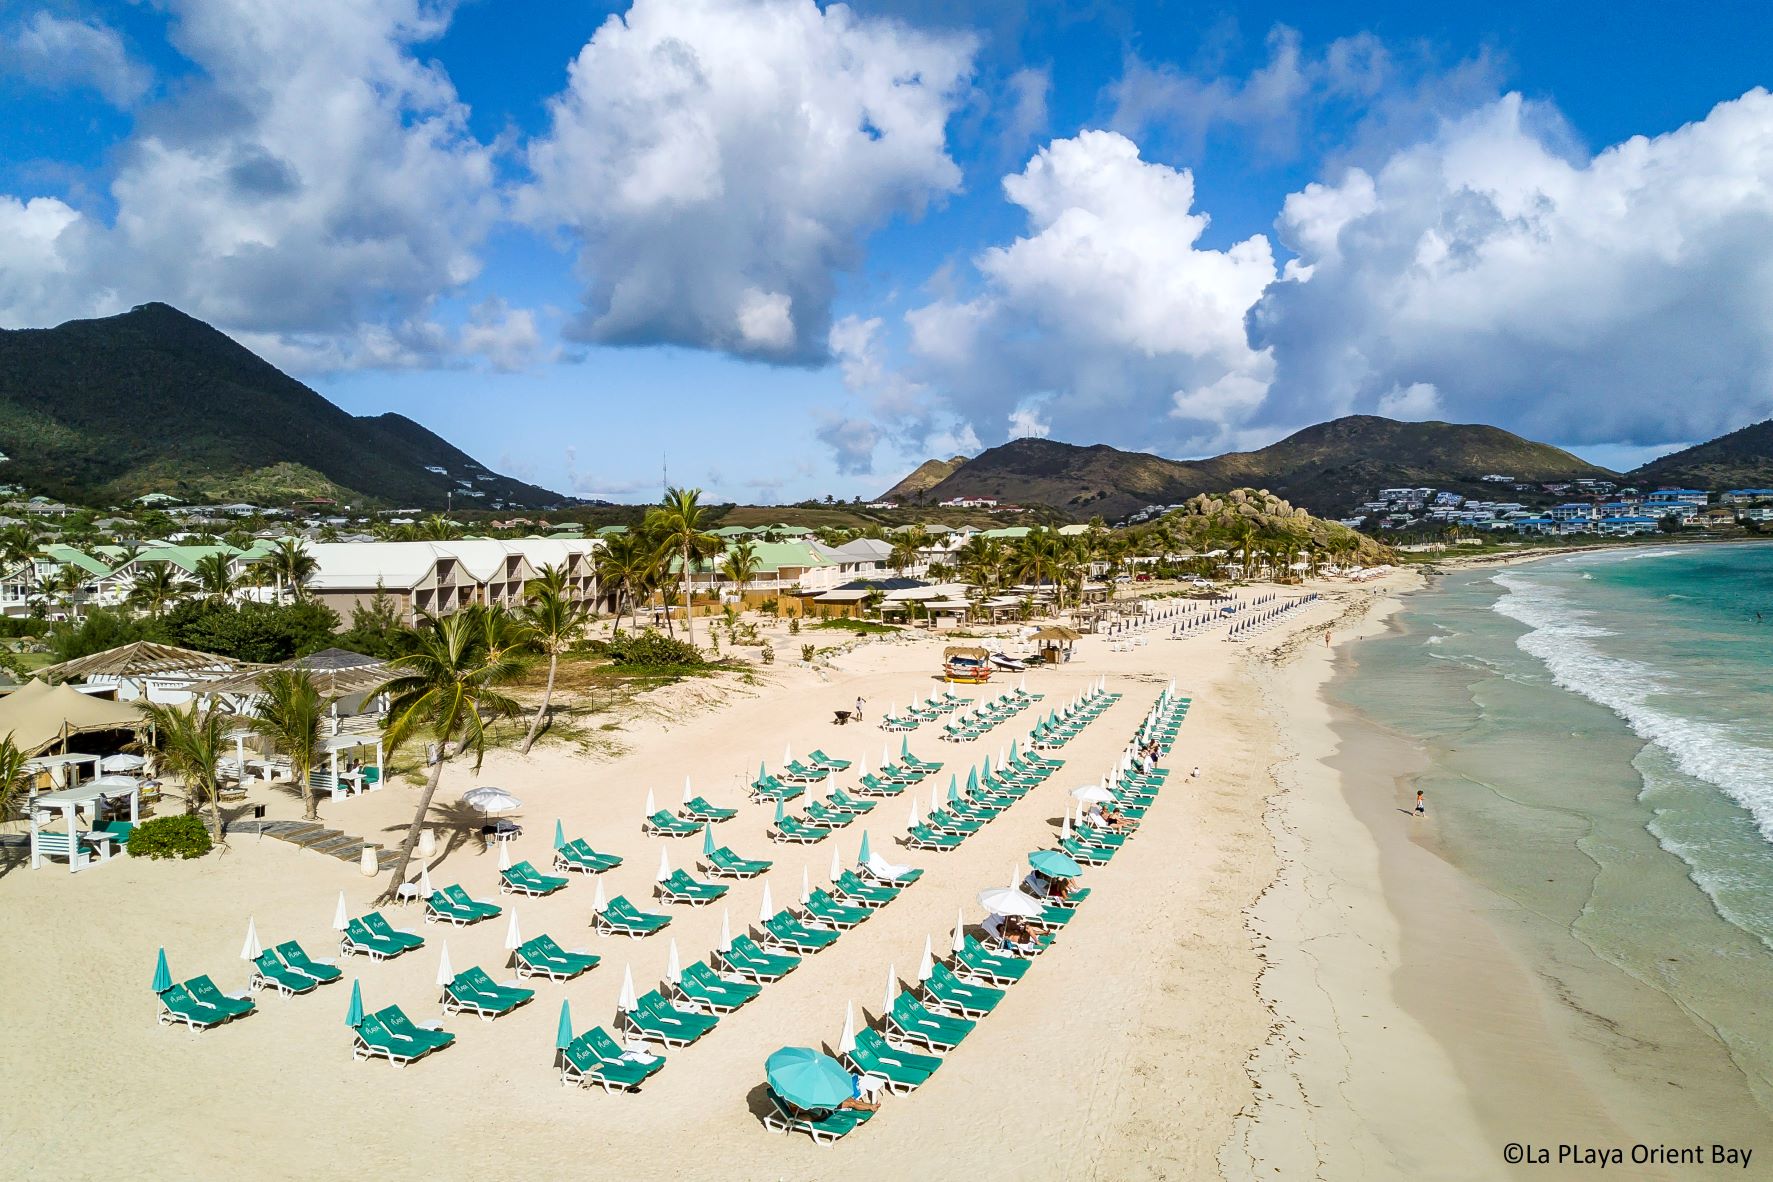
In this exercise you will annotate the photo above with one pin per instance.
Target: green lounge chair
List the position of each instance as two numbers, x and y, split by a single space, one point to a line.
902 1070
922 837
913 1023
864 894
784 931
270 971
823 1126
943 821
826 817
1096 835
323 971
595 1058
664 824
178 1006
453 905
577 854
800 773
398 1024
379 924
1052 918
819 759
845 803
681 888
205 991
926 766
872 785
700 810
975 960
524 879
654 1017
948 992
473 992
797 832
542 957
622 918
1089 855
359 940
878 869
747 959
391 1035
723 863
769 788
822 907
701 986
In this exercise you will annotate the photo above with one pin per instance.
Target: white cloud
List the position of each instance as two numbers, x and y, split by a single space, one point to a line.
314 190
507 337
58 53
1619 298
1026 423
1108 311
720 161
852 442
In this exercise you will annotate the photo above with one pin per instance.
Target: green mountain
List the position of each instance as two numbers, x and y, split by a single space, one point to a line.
1328 468
99 411
1741 459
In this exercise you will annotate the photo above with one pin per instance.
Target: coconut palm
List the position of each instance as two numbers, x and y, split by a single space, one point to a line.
438 528
449 688
292 565
554 621
1037 561
740 567
157 586
623 564
290 714
676 524
64 587
981 562
15 777
215 576
192 744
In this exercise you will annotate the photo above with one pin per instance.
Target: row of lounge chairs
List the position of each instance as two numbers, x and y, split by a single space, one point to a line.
945 828
987 718
932 708
790 783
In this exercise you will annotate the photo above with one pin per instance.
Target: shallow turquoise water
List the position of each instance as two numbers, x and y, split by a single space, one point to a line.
1599 731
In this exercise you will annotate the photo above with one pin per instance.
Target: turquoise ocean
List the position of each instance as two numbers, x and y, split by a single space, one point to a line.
1597 731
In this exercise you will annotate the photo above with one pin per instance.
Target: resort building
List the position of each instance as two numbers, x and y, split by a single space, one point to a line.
444 577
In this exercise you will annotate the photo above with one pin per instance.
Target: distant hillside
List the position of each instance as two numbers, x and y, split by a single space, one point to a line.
928 475
1222 521
1327 468
99 411
1741 459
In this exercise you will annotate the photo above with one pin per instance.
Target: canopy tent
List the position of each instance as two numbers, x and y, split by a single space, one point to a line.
143 660
347 742
69 802
38 715
336 673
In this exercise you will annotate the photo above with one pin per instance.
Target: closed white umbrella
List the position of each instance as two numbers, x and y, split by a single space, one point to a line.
598 902
960 932
861 766
504 855
491 800
513 933
673 967
664 864
686 790
846 1042
766 910
787 755
914 817
892 989
340 917
1016 876
425 889
806 889
926 968
1009 902
726 931
836 864
251 950
652 806
886 754
446 972
625 1001
1065 825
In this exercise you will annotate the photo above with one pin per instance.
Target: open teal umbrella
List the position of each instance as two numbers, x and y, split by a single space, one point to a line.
807 1078
162 975
1054 864
354 1014
563 1035
708 839
862 856
559 836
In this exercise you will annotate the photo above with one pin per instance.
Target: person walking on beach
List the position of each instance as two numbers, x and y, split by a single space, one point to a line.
858 707
1421 805
1195 774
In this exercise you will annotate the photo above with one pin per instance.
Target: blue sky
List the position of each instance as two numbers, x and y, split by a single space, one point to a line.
792 250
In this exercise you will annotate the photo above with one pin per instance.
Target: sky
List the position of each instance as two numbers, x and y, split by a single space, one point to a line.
779 250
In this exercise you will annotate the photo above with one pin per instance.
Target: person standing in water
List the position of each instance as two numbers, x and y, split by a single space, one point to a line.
1421 805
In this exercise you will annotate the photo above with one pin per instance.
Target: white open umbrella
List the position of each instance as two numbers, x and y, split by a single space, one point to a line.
1092 793
846 1042
927 966
122 763
251 950
1009 902
892 989
960 932
626 1002
491 800
513 933
673 966
726 932
340 917
598 902
766 910
664 865
446 972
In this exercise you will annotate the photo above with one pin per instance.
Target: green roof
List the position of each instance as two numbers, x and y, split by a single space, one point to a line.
1008 531
730 531
612 529
185 557
68 556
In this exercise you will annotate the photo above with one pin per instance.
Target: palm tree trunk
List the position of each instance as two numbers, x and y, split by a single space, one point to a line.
215 808
541 711
689 604
412 832
310 794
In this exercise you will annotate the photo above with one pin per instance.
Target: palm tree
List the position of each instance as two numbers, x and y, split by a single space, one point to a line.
192 743
676 524
981 562
215 576
554 621
437 528
448 687
740 567
14 777
622 566
1037 561
290 711
157 586
293 566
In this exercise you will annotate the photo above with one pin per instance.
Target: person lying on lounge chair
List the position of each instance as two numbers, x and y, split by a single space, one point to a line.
1016 935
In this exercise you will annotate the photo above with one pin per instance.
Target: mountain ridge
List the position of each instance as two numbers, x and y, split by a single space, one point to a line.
156 400
1739 459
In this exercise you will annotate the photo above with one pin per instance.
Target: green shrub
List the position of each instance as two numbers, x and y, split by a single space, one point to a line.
183 836
807 652
650 647
860 627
